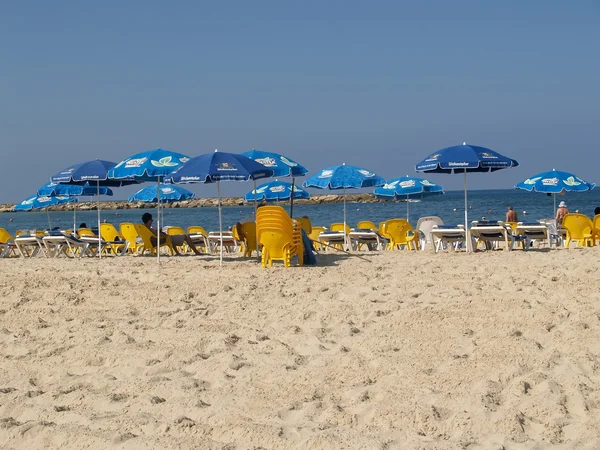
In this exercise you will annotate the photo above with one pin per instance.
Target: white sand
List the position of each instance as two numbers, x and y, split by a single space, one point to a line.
413 350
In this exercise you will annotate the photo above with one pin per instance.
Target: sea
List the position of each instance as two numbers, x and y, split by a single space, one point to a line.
488 204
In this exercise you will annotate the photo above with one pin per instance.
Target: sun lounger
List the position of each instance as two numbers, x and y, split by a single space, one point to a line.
491 234
60 243
332 239
370 238
30 245
230 244
447 234
534 231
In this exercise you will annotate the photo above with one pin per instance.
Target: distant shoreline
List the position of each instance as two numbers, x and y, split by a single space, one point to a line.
202 203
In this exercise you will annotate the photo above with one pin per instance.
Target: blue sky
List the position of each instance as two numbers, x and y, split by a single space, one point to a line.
376 84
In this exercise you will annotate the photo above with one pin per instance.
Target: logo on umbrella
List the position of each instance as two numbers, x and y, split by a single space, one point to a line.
487 155
136 162
164 162
366 173
167 190
225 166
427 183
571 182
434 157
407 184
287 162
532 180
260 190
326 174
550 181
391 185
277 189
267 161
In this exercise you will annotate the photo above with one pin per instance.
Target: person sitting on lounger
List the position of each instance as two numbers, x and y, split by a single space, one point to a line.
511 215
177 240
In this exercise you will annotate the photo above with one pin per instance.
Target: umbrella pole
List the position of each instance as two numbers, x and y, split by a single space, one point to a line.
98 209
48 214
407 206
467 234
255 218
75 216
158 225
345 237
220 223
555 205
292 199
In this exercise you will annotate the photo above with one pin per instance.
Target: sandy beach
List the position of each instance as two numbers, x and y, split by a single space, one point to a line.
408 351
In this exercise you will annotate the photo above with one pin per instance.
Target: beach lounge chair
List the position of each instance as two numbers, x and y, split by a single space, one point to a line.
132 239
579 230
30 245
336 236
400 234
199 237
491 234
279 236
173 231
556 235
7 244
115 242
147 236
424 227
59 243
531 232
230 243
448 236
365 234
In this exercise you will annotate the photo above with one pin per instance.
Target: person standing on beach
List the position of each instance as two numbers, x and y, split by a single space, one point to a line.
511 215
561 212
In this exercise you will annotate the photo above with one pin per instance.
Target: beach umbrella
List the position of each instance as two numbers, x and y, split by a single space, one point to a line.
216 167
169 193
462 159
54 189
276 191
555 182
149 166
94 172
42 202
406 187
282 166
344 177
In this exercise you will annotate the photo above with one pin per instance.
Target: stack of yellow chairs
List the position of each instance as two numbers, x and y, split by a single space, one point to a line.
279 236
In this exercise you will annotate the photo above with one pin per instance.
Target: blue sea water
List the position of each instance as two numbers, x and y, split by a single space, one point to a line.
491 204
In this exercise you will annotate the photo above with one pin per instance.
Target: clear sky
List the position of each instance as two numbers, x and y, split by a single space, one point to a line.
379 84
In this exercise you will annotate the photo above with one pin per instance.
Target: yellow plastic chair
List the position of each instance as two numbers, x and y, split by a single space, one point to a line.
279 236
399 232
195 232
246 234
85 232
147 236
596 228
366 225
116 242
314 237
7 244
173 231
579 230
130 234
339 227
305 224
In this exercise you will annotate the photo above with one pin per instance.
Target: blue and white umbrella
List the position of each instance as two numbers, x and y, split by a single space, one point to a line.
168 193
344 177
555 182
462 159
406 187
72 190
94 172
282 166
152 165
276 191
220 166
40 202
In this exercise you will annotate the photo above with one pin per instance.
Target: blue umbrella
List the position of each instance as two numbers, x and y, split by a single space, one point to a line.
282 167
462 159
276 191
344 177
94 172
53 189
220 166
555 182
152 165
168 193
406 187
40 202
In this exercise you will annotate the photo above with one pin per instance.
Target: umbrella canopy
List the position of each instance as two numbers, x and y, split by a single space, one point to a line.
405 187
94 172
462 159
344 177
555 182
276 191
39 202
53 189
151 165
216 167
168 193
281 165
